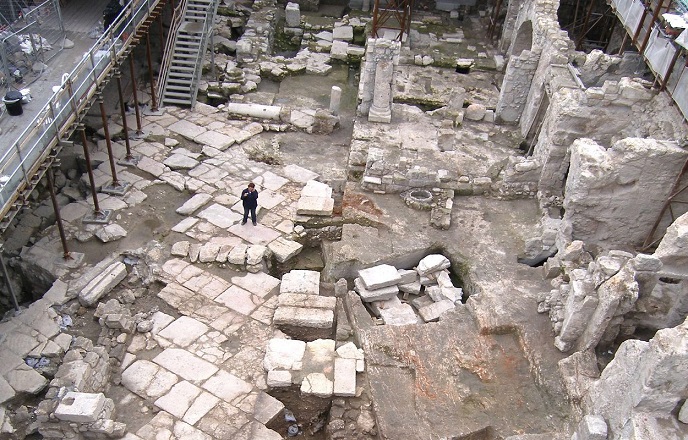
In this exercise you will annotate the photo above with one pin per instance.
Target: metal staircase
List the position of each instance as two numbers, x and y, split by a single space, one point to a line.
190 31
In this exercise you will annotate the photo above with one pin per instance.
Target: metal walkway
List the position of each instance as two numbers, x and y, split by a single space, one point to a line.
24 162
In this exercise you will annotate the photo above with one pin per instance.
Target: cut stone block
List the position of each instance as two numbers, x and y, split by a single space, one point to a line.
184 331
179 399
266 408
432 263
407 276
433 311
185 364
80 407
315 206
307 301
412 288
422 301
227 386
194 203
102 284
374 295
305 282
314 188
317 384
344 377
377 277
283 354
237 255
377 306
279 378
180 249
147 379
304 317
592 427
284 249
400 315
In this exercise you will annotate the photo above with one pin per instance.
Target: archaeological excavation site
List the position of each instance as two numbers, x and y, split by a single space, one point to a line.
471 222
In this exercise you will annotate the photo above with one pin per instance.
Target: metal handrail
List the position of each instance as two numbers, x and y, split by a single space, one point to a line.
20 163
168 53
207 28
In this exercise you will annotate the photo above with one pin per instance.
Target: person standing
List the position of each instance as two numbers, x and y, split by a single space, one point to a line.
249 198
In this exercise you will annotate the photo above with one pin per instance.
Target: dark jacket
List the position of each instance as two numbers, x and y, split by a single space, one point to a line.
249 199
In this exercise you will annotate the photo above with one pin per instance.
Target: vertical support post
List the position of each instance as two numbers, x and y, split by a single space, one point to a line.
154 101
58 218
585 25
7 280
655 14
669 70
636 34
623 43
118 76
493 22
96 208
212 54
162 32
135 93
108 143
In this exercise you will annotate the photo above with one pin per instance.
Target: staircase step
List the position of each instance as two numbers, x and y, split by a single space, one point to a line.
181 76
177 95
184 63
177 101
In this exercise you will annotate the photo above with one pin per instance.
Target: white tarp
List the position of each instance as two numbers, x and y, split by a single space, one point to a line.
659 52
629 12
682 40
680 92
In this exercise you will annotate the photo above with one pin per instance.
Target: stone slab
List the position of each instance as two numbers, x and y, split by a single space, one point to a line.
306 301
432 263
279 378
374 295
185 364
258 234
320 206
227 386
304 317
305 282
344 377
377 277
220 216
187 129
317 384
283 354
284 249
399 315
259 284
298 174
183 331
194 203
102 284
80 407
433 311
147 379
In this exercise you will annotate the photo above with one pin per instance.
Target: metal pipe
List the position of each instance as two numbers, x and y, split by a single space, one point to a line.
58 218
585 25
108 143
96 208
7 280
636 34
136 96
671 69
623 43
655 14
493 24
162 33
154 102
118 77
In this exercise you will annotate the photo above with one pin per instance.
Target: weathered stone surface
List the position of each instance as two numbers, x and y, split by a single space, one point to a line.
283 354
380 276
194 203
673 249
185 364
304 317
208 252
220 216
320 206
111 232
284 249
305 282
366 295
147 379
432 263
25 379
399 315
307 301
475 112
592 428
432 312
80 407
255 254
317 384
184 331
180 162
237 255
344 377
180 249
102 284
279 378
227 386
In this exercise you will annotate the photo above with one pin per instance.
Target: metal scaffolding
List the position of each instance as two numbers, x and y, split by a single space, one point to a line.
392 15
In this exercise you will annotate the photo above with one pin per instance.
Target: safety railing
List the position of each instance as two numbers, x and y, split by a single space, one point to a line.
169 47
207 29
20 162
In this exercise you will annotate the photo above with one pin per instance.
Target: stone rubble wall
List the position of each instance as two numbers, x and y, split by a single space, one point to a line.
614 196
259 34
640 389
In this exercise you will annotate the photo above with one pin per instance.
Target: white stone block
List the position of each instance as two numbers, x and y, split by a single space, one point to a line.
80 407
315 206
592 427
433 311
344 377
374 295
432 263
279 378
102 284
284 249
304 317
317 384
407 276
283 354
305 282
400 315
376 277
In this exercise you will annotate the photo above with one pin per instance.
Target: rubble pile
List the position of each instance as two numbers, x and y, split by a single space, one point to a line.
429 284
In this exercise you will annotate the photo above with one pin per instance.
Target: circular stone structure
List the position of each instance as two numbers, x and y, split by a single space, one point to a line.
418 198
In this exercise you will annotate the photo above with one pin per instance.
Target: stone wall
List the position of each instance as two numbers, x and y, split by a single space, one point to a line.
641 390
516 85
258 37
614 196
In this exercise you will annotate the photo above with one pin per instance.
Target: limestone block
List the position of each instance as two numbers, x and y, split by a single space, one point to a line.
305 282
683 413
283 354
194 203
208 252
255 254
376 277
432 263
475 112
317 384
227 386
315 206
279 378
184 331
111 232
344 33
237 255
180 162
284 249
25 379
592 427
377 306
307 301
185 364
400 315
350 351
344 377
374 295
180 249
102 284
6 391
304 317
407 276
339 50
314 188
293 14
432 312
80 407
412 288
